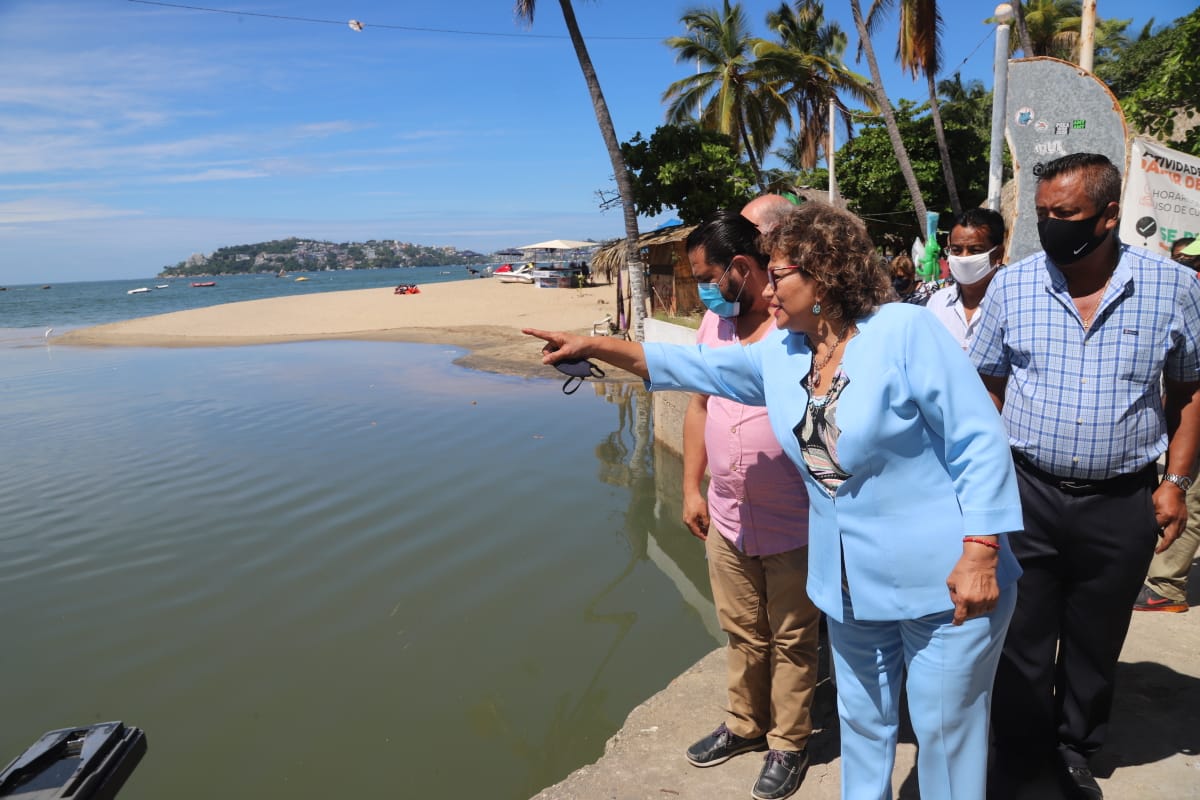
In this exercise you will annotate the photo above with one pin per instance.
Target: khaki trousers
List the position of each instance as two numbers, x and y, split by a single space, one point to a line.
762 604
1169 570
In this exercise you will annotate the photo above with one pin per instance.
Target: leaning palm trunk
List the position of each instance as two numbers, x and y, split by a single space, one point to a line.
637 291
889 119
1022 31
943 147
637 285
750 158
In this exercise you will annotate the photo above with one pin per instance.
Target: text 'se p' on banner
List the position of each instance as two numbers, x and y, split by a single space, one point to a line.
1161 202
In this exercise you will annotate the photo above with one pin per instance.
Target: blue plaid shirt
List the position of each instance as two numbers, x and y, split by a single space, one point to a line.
1087 404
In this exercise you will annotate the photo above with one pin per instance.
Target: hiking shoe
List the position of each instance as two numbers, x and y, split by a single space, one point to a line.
782 772
720 746
1150 600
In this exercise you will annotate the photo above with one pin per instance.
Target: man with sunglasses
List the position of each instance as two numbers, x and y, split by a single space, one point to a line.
754 522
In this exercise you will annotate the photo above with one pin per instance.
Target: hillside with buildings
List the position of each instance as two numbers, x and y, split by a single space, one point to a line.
307 255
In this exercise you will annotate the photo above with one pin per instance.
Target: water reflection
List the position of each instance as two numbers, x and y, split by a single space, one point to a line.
278 559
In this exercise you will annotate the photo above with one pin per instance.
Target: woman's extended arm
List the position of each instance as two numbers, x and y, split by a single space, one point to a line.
561 346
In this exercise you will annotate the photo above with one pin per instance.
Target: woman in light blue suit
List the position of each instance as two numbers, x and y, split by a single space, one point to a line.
911 489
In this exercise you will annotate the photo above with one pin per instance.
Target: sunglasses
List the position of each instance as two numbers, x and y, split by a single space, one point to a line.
773 277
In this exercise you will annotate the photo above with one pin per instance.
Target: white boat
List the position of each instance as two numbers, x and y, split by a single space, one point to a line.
522 274
163 286
139 290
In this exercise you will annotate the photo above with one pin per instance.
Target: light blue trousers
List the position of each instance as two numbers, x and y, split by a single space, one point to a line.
948 673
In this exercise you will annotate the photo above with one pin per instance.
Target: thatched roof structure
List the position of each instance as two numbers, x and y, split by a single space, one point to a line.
611 255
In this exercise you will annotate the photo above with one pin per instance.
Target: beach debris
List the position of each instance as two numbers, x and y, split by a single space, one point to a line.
355 25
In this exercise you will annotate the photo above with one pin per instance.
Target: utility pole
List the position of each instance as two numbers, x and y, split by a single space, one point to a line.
1004 16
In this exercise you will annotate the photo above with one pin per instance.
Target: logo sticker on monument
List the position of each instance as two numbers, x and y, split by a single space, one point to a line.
1079 124
1062 128
1024 116
1041 126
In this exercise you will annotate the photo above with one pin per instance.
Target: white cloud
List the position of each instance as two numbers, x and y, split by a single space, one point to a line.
26 212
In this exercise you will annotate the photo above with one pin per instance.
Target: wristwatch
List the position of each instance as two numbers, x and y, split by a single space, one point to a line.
1182 481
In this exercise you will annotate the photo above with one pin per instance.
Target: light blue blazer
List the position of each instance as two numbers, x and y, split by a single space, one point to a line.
925 447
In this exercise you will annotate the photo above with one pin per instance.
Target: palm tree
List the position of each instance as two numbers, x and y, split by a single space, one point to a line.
889 118
807 68
737 99
524 9
918 48
1022 31
1054 28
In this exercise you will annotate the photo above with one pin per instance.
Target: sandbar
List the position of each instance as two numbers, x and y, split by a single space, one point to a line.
483 316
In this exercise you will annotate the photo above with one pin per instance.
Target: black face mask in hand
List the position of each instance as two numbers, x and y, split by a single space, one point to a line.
1068 240
578 370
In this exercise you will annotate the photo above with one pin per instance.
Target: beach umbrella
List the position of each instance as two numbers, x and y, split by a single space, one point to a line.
559 244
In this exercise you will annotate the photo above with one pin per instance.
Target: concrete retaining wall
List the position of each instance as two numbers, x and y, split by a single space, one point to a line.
669 407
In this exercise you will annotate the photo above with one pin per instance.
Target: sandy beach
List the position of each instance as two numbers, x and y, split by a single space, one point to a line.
484 317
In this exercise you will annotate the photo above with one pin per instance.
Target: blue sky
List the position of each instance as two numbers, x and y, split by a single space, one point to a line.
133 135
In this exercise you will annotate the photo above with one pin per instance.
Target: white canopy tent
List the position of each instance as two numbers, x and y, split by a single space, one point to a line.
559 244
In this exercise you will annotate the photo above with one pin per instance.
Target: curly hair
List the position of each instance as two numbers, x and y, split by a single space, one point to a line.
832 247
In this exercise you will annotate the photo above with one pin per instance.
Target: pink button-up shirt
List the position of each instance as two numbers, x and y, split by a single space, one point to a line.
756 497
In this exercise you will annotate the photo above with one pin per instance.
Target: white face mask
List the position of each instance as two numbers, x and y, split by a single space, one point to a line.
971 269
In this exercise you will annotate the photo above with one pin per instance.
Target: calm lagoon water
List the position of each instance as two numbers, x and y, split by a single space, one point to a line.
341 569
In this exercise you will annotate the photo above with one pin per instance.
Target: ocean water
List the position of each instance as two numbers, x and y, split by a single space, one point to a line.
334 569
36 307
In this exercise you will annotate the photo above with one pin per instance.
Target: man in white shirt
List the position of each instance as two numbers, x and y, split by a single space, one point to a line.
976 250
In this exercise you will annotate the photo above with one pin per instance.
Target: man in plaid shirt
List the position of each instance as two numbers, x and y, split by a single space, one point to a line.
1076 346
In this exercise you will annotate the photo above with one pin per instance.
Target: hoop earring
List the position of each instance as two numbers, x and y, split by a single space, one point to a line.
816 309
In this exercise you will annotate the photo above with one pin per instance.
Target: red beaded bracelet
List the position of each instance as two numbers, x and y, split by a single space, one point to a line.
984 542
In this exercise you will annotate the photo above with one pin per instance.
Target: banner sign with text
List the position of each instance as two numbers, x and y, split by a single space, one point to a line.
1161 202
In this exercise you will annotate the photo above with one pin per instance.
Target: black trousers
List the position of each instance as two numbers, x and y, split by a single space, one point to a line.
1084 558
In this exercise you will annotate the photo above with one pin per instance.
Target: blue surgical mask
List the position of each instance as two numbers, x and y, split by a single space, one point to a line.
710 295
714 300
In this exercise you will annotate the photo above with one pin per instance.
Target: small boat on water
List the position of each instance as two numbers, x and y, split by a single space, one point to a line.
139 290
203 284
301 278
163 286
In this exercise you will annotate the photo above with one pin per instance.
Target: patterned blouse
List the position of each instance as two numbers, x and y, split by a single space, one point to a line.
818 433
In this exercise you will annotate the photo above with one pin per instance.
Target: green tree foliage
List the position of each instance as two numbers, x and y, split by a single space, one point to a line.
1157 81
687 168
807 66
871 181
737 98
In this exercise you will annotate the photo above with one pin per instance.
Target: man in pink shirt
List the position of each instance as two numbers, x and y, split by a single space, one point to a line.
757 509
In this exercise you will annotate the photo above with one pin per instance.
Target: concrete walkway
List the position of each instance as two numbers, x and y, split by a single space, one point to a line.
1153 748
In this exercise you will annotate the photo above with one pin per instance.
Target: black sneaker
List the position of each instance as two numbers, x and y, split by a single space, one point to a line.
1150 600
720 746
782 772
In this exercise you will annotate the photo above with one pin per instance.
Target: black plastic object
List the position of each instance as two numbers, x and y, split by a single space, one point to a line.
89 763
578 370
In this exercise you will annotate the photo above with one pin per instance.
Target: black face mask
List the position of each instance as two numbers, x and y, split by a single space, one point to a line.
1068 240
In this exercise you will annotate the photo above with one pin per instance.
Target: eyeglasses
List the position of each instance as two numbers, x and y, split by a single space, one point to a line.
773 278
